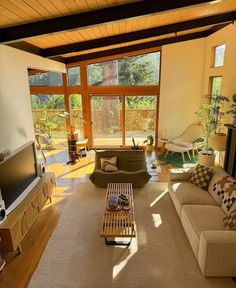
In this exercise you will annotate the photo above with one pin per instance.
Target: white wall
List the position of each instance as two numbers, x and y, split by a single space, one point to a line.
16 123
181 85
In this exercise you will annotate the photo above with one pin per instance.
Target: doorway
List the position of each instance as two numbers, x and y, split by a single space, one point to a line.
106 121
117 119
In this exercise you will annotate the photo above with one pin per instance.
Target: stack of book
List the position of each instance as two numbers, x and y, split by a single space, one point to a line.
113 202
118 202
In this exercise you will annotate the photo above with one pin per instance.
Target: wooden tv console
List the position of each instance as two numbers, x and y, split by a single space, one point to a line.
19 221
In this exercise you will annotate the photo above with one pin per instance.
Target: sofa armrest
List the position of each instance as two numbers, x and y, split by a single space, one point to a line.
217 253
180 174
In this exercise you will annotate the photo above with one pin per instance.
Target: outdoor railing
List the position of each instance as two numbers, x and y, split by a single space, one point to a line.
135 120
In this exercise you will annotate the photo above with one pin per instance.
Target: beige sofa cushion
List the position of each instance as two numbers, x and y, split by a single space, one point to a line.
198 218
205 217
188 193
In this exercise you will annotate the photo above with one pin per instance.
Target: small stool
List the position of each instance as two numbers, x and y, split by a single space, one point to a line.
82 144
178 149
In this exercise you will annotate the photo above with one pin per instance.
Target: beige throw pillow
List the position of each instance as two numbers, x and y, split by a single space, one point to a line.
108 164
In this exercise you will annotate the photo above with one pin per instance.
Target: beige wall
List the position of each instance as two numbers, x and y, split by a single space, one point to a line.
226 35
181 85
16 123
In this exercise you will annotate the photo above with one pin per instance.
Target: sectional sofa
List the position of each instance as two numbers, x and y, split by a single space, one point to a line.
201 215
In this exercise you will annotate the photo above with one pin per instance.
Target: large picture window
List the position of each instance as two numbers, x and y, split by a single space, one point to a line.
129 71
46 79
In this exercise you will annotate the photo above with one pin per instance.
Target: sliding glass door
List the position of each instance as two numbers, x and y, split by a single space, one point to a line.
118 119
106 121
140 118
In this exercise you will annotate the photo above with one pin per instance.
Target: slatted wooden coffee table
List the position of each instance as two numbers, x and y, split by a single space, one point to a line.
120 223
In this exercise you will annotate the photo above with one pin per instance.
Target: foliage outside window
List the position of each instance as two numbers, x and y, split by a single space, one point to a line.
216 83
219 53
45 109
46 79
77 113
135 70
140 118
73 76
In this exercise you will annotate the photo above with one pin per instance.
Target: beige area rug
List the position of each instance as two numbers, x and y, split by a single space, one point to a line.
160 256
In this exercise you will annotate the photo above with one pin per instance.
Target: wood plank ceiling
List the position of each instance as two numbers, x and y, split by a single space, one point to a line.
90 28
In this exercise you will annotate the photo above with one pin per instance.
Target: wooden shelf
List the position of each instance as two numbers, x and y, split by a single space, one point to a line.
19 221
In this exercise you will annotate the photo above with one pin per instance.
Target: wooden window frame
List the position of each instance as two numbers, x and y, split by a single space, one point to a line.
85 90
213 54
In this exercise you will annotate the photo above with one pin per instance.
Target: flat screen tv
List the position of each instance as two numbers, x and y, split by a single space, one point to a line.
18 175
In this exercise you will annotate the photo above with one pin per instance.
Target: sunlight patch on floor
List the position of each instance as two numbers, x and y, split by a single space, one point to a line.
81 172
58 195
156 220
158 198
133 249
57 168
48 153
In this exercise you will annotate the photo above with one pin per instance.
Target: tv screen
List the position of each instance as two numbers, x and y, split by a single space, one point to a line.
17 174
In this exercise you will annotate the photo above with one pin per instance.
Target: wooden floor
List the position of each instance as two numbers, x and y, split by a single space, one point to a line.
20 268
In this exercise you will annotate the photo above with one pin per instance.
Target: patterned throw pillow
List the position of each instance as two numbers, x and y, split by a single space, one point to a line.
201 176
230 221
108 164
226 188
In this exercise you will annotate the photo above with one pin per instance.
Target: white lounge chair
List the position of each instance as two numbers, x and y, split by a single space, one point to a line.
187 141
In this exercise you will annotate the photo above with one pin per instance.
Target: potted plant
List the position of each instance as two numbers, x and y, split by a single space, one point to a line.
211 117
135 145
207 118
149 143
232 112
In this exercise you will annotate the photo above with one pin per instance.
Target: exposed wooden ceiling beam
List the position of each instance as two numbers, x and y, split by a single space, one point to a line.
141 46
139 35
27 47
135 47
96 17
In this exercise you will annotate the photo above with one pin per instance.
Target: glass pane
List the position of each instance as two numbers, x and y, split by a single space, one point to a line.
216 86
136 70
46 79
140 118
106 119
103 74
215 93
46 109
73 76
219 55
140 70
77 113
